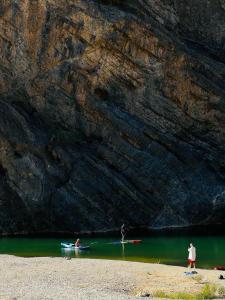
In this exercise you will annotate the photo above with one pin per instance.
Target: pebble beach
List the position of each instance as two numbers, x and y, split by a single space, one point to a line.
58 278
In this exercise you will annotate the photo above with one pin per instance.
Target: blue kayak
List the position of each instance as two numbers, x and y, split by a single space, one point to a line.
72 246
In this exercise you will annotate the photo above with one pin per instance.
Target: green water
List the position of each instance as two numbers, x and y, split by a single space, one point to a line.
167 250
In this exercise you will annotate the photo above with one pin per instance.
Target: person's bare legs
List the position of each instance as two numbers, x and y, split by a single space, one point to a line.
123 236
191 265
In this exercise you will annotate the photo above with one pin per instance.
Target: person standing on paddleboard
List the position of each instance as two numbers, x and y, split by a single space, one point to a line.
123 231
191 256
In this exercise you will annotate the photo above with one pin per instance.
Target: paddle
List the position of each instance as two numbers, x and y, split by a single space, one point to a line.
93 243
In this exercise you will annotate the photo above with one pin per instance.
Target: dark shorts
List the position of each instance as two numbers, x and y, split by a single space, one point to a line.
191 261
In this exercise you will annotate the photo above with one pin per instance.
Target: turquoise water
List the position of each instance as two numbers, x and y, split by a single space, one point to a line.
161 249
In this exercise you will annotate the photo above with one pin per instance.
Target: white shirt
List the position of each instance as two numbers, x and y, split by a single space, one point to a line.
192 253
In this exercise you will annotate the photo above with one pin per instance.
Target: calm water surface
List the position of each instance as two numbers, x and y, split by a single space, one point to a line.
162 249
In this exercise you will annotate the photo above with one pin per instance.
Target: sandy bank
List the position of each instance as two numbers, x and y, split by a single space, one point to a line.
58 278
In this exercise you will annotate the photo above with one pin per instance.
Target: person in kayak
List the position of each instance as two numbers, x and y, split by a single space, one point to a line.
123 231
191 256
77 243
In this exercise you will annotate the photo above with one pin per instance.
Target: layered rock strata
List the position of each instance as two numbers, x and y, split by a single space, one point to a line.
111 112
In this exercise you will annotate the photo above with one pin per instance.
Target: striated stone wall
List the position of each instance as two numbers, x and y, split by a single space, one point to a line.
111 112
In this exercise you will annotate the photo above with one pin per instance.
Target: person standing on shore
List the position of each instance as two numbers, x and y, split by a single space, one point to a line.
191 256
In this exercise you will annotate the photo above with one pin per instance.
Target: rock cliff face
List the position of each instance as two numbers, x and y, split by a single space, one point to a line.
111 112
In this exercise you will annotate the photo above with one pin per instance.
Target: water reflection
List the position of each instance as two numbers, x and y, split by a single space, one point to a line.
77 252
123 251
66 253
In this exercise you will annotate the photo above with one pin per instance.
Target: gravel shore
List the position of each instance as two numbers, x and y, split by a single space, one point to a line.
59 278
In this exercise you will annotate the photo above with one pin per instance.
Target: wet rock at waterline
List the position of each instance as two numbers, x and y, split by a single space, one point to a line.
111 112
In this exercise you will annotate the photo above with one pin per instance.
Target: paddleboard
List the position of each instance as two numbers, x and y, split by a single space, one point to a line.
127 242
134 241
82 248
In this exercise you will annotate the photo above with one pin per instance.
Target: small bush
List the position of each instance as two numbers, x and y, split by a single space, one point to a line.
208 292
185 296
221 291
160 294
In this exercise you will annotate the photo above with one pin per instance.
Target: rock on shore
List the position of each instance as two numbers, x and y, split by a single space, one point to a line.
111 112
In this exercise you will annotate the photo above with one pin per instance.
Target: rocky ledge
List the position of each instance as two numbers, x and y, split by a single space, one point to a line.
111 112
